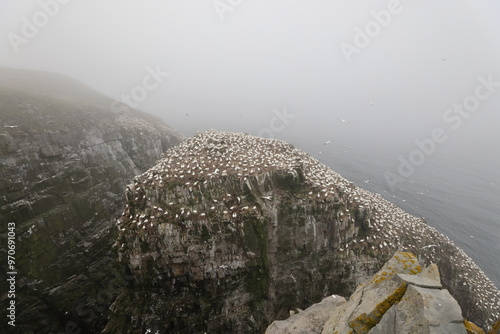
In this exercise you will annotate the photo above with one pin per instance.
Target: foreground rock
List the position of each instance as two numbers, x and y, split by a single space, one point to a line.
309 321
63 167
371 300
400 298
417 305
229 232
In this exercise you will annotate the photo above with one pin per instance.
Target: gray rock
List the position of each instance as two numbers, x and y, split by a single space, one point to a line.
368 297
420 281
388 324
431 272
309 321
423 311
395 302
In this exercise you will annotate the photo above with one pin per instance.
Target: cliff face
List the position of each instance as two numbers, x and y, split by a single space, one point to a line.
63 168
229 232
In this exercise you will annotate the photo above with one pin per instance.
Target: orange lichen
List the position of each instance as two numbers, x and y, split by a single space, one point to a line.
365 322
472 328
416 270
410 265
495 328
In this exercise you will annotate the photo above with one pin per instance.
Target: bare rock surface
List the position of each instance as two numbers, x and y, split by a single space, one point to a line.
309 321
423 310
372 299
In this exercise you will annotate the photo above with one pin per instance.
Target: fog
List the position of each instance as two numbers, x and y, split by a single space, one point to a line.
288 69
232 64
262 55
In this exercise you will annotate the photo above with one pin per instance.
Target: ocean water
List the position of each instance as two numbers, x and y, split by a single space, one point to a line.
457 195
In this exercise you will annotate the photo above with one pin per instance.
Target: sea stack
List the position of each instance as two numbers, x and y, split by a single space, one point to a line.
229 232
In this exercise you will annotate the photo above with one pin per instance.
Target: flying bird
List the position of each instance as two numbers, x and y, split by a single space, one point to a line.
11 126
343 120
371 103
327 142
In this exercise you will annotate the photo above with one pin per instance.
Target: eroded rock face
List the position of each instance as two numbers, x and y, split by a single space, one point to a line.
63 169
229 232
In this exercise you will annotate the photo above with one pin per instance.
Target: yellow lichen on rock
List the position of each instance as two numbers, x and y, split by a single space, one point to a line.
416 270
402 262
495 328
364 322
472 328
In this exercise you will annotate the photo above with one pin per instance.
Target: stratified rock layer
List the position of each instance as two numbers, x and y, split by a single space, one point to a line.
229 232
63 168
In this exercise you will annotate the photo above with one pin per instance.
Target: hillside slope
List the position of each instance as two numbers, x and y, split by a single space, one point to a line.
63 168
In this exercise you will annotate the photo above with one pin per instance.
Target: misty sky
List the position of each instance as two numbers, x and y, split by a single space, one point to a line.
235 64
254 56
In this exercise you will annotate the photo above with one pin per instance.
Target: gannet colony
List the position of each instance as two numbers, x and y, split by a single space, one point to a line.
221 206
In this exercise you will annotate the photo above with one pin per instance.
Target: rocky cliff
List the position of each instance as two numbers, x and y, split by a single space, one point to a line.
400 298
63 167
229 232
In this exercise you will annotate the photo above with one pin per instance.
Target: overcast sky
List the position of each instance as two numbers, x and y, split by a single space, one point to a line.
232 64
